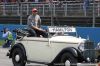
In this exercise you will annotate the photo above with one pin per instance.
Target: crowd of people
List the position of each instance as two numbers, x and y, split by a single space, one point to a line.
35 0
21 1
42 0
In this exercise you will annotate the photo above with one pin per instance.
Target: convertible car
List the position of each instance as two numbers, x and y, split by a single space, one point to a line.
62 46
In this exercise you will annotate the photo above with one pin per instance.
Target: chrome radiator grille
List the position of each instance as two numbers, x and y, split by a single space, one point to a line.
89 50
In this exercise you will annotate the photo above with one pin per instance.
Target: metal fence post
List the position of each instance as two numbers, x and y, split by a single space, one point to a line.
93 24
54 10
98 8
43 10
27 8
4 8
51 7
20 14
18 11
66 9
52 14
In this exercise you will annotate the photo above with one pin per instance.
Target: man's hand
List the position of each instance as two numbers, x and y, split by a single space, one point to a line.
38 29
42 30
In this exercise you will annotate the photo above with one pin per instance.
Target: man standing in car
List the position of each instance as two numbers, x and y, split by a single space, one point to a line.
34 24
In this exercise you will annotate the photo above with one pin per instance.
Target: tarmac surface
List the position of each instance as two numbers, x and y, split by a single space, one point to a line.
5 61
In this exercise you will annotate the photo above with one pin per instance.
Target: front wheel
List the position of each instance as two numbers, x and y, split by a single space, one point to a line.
18 57
67 59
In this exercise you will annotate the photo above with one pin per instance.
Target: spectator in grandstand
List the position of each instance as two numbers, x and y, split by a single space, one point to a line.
86 6
34 24
0 1
60 4
13 1
31 0
7 35
25 0
19 1
36 0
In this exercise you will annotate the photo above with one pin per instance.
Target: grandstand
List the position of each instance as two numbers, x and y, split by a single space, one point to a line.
63 12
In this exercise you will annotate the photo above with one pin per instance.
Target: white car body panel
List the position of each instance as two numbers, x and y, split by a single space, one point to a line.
46 49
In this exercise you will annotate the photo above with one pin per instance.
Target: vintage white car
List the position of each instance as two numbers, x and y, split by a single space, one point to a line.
58 49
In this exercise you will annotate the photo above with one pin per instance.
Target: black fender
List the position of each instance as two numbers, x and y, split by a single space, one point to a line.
71 50
19 45
75 52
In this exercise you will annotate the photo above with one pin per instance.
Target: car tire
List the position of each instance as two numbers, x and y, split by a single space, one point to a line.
50 65
18 57
69 59
98 59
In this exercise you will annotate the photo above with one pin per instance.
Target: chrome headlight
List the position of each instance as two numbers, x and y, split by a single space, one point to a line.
98 46
81 47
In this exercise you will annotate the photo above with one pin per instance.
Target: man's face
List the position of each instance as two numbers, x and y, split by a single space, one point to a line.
5 30
34 13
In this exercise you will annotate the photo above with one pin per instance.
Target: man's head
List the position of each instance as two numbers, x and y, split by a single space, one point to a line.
34 11
5 29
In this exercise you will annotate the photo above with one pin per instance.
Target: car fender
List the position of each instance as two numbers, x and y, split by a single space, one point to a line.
71 50
19 45
75 52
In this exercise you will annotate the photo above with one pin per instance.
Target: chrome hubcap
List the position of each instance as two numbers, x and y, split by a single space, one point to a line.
17 58
67 63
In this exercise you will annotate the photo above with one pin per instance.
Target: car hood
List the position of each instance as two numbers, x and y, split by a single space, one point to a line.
67 39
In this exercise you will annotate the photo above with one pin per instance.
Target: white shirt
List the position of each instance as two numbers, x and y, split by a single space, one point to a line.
5 35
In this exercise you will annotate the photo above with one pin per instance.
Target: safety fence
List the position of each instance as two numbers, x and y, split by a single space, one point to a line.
61 9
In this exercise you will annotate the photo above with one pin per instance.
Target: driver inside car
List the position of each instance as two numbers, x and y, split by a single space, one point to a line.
34 24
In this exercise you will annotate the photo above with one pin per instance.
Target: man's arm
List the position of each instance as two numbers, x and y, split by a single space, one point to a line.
5 35
37 20
29 21
36 28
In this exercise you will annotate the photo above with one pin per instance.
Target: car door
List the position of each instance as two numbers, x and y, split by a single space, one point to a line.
39 49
